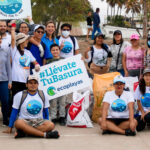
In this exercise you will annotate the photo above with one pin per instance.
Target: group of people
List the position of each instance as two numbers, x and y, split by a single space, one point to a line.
24 47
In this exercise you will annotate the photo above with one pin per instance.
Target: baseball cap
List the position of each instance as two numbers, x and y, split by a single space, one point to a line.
21 37
32 77
134 37
100 34
119 78
147 70
117 32
39 26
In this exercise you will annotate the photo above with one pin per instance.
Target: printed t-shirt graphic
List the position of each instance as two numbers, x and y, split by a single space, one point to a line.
118 105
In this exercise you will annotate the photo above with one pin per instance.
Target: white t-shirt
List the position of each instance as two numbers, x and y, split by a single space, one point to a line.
32 107
144 99
118 105
21 65
68 49
99 57
6 42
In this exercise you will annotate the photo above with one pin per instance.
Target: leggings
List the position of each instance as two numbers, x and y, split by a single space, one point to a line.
142 124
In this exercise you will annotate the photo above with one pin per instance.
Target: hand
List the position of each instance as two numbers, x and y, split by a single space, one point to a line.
126 74
103 125
41 50
8 131
37 67
61 45
29 18
132 125
9 86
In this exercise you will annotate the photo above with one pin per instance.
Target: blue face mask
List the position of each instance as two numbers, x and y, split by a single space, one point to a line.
148 43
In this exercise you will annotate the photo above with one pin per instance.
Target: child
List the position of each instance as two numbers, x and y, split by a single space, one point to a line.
59 102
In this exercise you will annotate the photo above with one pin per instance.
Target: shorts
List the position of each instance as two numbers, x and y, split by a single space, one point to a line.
89 27
34 122
117 121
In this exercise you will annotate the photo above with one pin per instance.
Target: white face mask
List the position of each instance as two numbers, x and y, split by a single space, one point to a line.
65 33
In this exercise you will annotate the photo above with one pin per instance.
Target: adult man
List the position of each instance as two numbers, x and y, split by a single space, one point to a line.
96 22
32 107
118 112
69 45
34 49
5 68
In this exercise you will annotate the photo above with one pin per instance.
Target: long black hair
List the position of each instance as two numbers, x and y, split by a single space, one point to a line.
114 41
142 85
20 51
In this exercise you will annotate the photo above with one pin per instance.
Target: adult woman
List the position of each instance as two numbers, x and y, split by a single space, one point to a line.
5 80
49 39
117 49
147 54
21 60
142 95
133 57
89 24
98 56
118 111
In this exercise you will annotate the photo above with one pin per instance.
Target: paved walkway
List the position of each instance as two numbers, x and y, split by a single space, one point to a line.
77 139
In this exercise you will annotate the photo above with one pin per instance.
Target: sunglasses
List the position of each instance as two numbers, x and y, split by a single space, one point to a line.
40 32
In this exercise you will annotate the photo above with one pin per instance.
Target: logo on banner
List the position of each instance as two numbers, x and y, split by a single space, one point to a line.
51 91
10 6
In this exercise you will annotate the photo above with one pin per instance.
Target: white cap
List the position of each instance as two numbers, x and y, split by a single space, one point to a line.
119 78
32 77
39 26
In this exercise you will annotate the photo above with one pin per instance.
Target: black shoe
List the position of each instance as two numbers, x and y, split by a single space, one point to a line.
5 123
62 121
54 121
20 134
128 132
52 134
106 132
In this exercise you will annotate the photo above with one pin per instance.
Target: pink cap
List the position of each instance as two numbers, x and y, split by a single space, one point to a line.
134 36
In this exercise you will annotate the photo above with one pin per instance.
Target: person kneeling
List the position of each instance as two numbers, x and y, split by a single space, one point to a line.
32 107
118 112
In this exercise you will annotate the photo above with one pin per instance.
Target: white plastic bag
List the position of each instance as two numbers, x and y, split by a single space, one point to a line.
77 114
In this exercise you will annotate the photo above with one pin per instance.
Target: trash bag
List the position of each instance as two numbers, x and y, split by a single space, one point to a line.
77 115
101 84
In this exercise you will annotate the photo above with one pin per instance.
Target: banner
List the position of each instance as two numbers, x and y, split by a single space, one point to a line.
63 77
15 9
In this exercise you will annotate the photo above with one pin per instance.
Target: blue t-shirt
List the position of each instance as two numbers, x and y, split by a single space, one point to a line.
48 43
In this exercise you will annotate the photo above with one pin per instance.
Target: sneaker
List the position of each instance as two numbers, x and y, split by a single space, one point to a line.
52 134
128 132
62 121
106 132
54 121
19 134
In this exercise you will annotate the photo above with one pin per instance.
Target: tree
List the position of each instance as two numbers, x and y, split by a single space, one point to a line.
60 10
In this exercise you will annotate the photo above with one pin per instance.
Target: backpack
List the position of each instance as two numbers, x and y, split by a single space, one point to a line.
25 93
73 41
104 46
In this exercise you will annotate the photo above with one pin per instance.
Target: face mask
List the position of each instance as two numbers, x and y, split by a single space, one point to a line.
65 33
148 43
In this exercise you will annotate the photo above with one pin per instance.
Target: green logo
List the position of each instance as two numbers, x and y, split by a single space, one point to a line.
51 91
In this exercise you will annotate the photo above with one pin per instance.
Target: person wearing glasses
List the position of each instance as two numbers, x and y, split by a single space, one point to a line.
34 49
68 44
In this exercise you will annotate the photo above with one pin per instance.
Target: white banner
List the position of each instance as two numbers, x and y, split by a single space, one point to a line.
63 77
15 9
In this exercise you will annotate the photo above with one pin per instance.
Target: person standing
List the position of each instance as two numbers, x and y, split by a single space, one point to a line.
5 81
117 49
34 49
133 57
89 25
96 23
68 44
